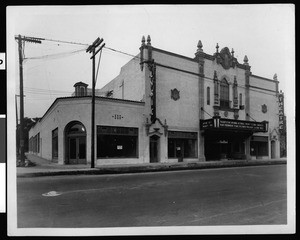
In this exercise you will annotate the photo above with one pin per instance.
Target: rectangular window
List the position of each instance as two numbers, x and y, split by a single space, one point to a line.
224 94
35 144
117 142
224 103
55 143
208 96
182 144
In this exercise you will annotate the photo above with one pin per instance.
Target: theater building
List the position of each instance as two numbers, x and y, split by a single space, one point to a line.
165 107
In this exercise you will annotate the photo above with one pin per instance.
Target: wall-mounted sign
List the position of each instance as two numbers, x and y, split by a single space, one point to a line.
152 68
264 108
230 124
110 130
119 147
281 112
175 94
117 116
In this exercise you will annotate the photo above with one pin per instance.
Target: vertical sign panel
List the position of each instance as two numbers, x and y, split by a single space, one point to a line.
281 112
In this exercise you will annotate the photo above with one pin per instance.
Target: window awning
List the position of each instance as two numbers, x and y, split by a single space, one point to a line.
218 123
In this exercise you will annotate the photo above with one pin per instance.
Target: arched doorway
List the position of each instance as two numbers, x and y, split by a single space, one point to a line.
75 143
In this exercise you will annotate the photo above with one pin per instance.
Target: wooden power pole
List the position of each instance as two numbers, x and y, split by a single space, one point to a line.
92 49
20 40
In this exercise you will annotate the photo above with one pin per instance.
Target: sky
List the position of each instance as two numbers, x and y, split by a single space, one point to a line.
265 33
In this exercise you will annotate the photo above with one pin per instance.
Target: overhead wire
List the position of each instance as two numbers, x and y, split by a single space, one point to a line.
67 42
98 66
136 57
56 55
42 89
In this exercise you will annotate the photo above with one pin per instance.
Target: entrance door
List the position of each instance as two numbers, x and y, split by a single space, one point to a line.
273 154
223 150
75 143
154 140
77 150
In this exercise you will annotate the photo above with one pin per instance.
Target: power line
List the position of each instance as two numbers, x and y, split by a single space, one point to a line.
61 41
128 54
135 57
45 93
43 89
56 55
98 66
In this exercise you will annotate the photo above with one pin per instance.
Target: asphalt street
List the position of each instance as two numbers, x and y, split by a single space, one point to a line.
230 196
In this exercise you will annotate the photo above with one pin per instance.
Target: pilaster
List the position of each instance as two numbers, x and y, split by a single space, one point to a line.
200 56
247 148
247 85
216 94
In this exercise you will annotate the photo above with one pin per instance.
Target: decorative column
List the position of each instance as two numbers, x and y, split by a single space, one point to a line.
235 99
142 53
277 83
200 57
216 95
247 103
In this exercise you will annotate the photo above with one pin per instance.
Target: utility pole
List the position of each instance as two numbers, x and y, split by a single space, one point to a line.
92 49
20 49
16 110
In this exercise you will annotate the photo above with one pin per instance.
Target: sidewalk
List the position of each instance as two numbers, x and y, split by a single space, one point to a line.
46 168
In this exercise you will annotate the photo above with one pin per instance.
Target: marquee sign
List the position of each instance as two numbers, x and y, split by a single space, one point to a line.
229 124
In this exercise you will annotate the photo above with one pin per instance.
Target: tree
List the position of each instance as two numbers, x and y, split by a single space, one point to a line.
28 124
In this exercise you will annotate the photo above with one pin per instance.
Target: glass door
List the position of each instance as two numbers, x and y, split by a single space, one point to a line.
73 151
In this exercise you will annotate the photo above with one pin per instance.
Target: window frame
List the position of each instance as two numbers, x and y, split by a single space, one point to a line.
224 94
118 134
208 95
182 138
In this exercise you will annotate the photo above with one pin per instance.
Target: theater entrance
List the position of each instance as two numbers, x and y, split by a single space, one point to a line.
223 145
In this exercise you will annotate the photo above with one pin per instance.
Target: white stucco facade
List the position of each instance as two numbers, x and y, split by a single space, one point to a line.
166 96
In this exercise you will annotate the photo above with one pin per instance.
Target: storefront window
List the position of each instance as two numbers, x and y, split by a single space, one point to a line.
182 144
259 146
117 142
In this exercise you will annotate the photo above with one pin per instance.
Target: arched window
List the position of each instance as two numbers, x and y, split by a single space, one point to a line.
224 93
208 95
77 128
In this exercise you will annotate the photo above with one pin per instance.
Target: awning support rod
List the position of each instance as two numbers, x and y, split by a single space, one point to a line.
206 112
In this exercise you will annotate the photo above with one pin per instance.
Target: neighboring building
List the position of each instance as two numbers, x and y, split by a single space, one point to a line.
165 107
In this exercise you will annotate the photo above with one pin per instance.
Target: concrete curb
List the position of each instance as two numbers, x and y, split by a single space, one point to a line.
154 168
